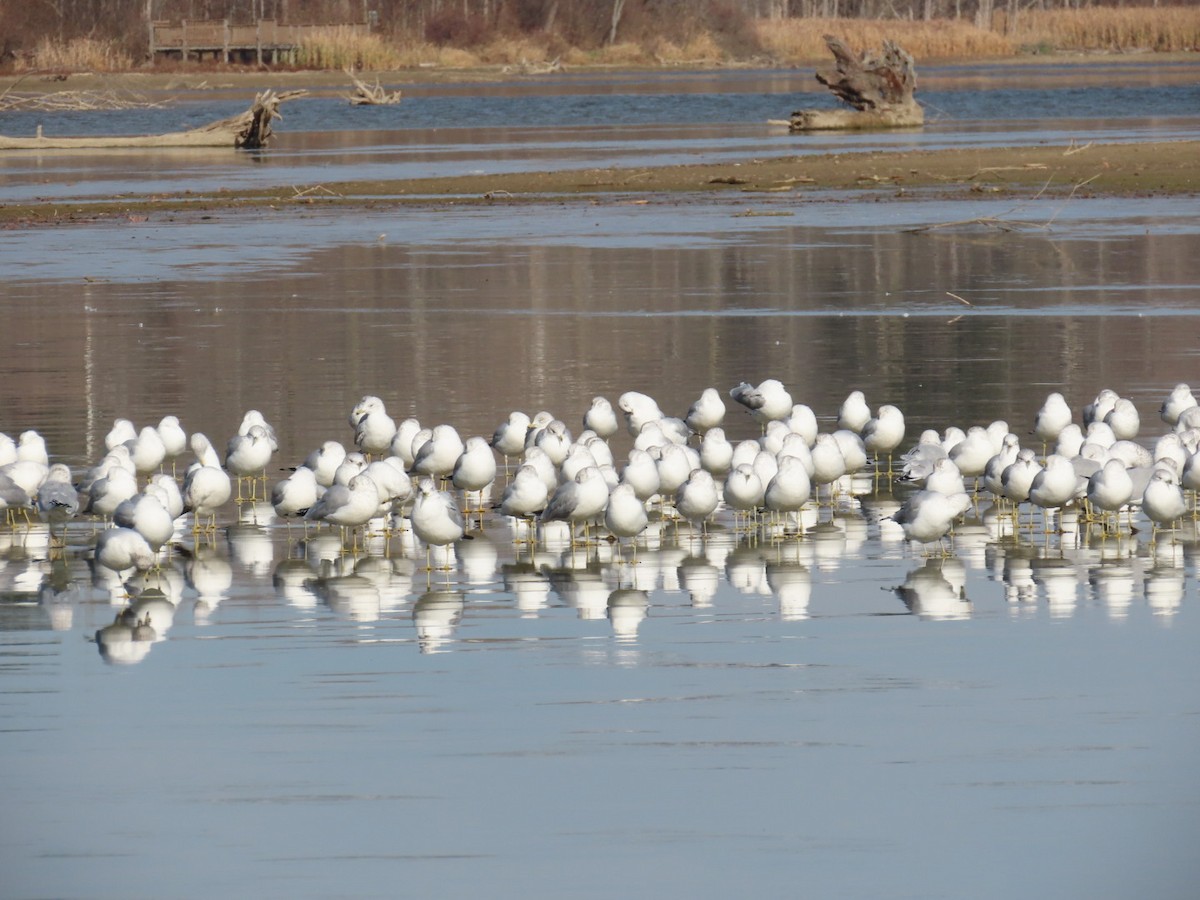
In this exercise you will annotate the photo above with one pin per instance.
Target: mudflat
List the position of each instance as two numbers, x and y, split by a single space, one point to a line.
1134 169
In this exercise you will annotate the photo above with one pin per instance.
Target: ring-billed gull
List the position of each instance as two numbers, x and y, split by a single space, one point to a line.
854 412
767 402
1110 488
109 492
697 499
639 409
828 462
148 517
1123 419
404 443
438 455
123 549
803 421
147 450
716 453
1099 407
122 430
247 456
295 495
743 490
641 473
1017 478
349 506
579 501
884 432
601 418
1054 415
324 461
790 488
374 429
1178 401
435 518
1163 501
509 437
173 437
971 455
206 487
31 447
1055 486
707 412
526 494
625 515
57 500
928 516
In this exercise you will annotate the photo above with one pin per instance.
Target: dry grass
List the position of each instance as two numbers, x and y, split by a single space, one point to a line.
1106 28
339 47
801 40
78 55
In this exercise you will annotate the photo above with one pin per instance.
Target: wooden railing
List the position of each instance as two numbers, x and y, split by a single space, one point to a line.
263 41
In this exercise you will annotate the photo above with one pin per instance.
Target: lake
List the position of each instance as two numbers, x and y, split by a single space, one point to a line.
833 712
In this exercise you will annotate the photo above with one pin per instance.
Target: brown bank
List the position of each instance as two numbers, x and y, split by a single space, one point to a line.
1092 169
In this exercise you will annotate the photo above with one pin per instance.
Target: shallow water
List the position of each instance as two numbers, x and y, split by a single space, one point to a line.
830 709
587 121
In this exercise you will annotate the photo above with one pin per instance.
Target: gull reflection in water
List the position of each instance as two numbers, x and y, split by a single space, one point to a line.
436 615
792 586
626 610
211 577
928 593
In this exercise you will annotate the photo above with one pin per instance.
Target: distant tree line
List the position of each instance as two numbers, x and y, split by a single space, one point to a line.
583 23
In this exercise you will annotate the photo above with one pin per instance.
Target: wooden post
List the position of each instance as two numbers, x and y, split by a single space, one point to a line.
225 23
150 27
258 40
183 45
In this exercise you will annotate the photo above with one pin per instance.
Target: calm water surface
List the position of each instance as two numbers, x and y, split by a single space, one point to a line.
736 711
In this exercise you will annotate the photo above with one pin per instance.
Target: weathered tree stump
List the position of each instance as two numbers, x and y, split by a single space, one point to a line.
371 95
879 87
249 130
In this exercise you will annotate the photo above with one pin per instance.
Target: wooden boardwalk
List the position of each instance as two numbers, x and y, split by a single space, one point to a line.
265 41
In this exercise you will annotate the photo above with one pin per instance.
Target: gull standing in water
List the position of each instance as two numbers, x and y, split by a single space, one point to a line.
928 516
601 418
706 413
57 500
526 495
697 499
247 456
767 402
578 501
1051 419
854 413
509 437
474 472
435 518
1178 401
884 433
438 455
625 515
206 487
324 461
349 506
295 495
1163 501
374 429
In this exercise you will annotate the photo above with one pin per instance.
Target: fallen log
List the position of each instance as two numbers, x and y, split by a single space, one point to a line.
371 94
249 130
879 87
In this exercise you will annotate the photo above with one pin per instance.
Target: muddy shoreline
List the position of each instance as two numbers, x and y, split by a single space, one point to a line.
1128 169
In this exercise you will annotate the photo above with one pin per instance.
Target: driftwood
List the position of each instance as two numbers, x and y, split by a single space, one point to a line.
879 87
249 130
371 95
